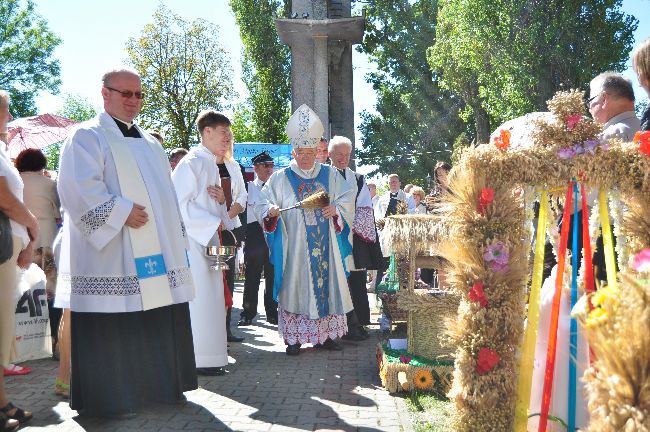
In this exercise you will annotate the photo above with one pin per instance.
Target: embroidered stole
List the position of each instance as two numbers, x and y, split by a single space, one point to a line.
317 230
149 261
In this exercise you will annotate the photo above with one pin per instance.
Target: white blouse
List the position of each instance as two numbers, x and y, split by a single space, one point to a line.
15 184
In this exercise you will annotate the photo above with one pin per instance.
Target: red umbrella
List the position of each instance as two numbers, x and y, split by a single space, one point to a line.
37 132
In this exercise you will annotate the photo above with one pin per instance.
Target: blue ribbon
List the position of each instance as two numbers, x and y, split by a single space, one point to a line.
573 335
276 256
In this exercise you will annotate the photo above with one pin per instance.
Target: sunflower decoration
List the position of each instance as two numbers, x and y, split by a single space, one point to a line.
423 379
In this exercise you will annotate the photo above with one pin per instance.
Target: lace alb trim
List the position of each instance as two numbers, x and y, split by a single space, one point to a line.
364 224
97 217
300 329
120 285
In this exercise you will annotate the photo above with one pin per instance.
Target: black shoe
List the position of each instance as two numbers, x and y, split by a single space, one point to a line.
330 345
293 350
211 371
273 321
244 322
233 338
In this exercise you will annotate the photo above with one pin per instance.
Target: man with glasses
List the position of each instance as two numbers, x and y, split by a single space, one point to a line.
611 103
124 271
256 252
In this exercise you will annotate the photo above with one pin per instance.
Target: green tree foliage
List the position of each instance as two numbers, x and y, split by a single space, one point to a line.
26 48
416 121
506 58
184 69
266 68
242 124
77 108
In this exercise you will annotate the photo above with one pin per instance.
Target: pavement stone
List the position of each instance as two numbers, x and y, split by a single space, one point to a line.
263 391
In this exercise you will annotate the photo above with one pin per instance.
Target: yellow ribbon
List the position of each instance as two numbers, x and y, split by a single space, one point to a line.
608 243
525 381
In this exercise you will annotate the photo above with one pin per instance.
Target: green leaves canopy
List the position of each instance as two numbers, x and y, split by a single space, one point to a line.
266 69
184 70
506 58
26 63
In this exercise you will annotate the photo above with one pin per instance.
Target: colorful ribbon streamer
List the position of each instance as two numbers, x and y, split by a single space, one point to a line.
608 243
528 350
555 312
586 246
573 333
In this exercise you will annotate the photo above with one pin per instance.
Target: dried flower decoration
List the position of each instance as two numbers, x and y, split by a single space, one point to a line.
423 379
573 120
502 142
405 359
487 196
477 294
641 261
497 257
643 139
487 360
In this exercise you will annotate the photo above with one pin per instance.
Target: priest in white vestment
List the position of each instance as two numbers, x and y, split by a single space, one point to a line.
204 208
365 247
123 267
310 248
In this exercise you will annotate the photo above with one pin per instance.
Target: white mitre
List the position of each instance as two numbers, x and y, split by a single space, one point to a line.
304 128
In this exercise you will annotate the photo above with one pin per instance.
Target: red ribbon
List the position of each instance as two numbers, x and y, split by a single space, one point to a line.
226 291
586 245
555 312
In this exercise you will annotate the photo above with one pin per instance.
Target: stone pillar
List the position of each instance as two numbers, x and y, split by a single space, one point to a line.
321 82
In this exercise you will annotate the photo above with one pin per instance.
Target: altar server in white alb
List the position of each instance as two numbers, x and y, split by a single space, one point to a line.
124 270
209 216
308 246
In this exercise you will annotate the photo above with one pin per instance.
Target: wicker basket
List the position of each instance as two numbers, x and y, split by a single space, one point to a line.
428 312
391 309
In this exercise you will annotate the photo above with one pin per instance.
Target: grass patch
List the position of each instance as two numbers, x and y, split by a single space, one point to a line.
430 412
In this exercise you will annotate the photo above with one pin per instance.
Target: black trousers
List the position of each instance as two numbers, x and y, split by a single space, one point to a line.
256 260
359 294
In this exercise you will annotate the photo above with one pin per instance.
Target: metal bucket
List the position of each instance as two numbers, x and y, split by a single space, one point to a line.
218 255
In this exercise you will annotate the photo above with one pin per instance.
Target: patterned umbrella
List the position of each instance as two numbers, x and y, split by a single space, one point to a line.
37 132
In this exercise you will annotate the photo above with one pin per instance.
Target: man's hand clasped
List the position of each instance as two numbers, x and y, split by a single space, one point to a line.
137 218
217 194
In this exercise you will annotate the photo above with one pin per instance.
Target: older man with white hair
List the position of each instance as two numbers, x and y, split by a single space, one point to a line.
366 249
308 245
124 271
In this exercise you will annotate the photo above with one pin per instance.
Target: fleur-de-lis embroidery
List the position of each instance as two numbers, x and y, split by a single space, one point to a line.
151 266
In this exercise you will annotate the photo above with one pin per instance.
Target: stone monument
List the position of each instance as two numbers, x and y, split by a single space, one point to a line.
321 34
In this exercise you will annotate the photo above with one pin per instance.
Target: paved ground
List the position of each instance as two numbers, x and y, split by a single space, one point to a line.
264 390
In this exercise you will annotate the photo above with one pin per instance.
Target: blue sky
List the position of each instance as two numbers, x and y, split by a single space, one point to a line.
94 35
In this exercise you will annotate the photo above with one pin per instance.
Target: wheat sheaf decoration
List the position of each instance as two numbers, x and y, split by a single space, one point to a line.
487 249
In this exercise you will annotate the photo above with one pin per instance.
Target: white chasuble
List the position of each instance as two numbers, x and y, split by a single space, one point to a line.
98 268
203 216
297 290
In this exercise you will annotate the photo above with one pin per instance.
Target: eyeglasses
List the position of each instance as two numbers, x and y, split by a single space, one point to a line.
591 99
127 94
266 164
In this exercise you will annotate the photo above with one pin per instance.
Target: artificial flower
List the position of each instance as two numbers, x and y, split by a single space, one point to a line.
590 146
477 294
566 153
405 359
572 121
596 317
502 141
487 196
423 379
643 139
641 261
496 255
578 149
487 360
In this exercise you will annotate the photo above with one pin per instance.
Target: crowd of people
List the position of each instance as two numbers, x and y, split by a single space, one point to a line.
124 249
